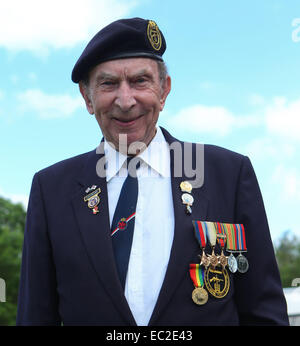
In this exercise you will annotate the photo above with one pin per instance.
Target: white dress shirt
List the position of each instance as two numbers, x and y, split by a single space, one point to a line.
154 223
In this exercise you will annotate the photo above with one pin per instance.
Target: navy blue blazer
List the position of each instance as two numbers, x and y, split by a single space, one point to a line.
69 275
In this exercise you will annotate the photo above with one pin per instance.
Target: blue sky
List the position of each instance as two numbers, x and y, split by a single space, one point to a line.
235 83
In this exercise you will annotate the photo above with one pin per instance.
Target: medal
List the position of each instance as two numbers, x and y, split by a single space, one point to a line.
232 263
188 200
199 294
185 186
242 263
221 239
231 246
217 282
236 242
212 237
93 199
200 234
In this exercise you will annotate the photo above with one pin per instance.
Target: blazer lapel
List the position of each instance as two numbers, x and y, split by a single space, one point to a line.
184 244
95 232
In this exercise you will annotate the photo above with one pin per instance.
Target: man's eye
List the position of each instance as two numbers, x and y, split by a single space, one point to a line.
140 81
108 83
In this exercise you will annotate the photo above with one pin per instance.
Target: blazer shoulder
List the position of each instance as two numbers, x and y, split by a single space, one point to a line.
221 152
221 156
70 166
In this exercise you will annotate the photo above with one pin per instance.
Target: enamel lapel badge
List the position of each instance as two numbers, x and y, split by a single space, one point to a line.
92 198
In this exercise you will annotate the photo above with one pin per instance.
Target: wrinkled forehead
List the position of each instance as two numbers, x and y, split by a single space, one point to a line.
129 67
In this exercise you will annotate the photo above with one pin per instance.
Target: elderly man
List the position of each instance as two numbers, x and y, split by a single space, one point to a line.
122 235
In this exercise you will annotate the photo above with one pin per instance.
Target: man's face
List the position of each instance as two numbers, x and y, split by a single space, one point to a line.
126 97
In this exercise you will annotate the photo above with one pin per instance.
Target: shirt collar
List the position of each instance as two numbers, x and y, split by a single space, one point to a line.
156 155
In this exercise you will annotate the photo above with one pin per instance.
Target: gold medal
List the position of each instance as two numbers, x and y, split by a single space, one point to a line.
200 296
217 282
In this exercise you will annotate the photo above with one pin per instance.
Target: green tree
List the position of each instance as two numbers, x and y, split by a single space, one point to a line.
12 223
288 258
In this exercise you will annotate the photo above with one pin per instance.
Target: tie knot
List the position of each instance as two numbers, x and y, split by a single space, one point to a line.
133 164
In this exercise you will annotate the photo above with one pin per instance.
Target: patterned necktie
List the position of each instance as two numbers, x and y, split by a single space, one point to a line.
123 220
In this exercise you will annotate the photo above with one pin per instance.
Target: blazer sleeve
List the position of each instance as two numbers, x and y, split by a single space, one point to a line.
38 298
258 292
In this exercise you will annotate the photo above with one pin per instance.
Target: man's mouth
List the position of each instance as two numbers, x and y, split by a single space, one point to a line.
127 121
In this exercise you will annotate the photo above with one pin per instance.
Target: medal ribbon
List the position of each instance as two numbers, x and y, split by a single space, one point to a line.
230 233
200 232
197 274
236 240
220 231
211 233
240 237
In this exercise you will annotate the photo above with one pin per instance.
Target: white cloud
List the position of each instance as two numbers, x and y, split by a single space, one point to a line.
269 147
49 106
282 118
16 198
36 25
204 119
278 117
288 178
210 119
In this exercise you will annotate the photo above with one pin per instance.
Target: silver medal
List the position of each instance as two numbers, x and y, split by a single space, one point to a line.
242 263
232 263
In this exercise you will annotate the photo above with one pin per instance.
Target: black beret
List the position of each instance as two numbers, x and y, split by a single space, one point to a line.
124 38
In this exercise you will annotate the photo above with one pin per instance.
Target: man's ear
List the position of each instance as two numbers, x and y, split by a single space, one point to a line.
165 92
86 96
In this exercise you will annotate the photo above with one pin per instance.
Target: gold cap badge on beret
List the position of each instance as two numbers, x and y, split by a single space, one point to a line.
154 35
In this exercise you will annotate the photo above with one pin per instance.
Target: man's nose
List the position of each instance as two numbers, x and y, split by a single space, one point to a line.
125 97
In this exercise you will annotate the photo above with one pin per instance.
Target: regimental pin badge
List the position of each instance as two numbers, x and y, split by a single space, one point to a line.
92 198
186 186
188 200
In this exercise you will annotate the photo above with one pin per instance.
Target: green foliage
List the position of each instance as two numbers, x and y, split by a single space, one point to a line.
12 223
288 258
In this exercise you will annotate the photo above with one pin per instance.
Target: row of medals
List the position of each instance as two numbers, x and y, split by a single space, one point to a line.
213 262
215 272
